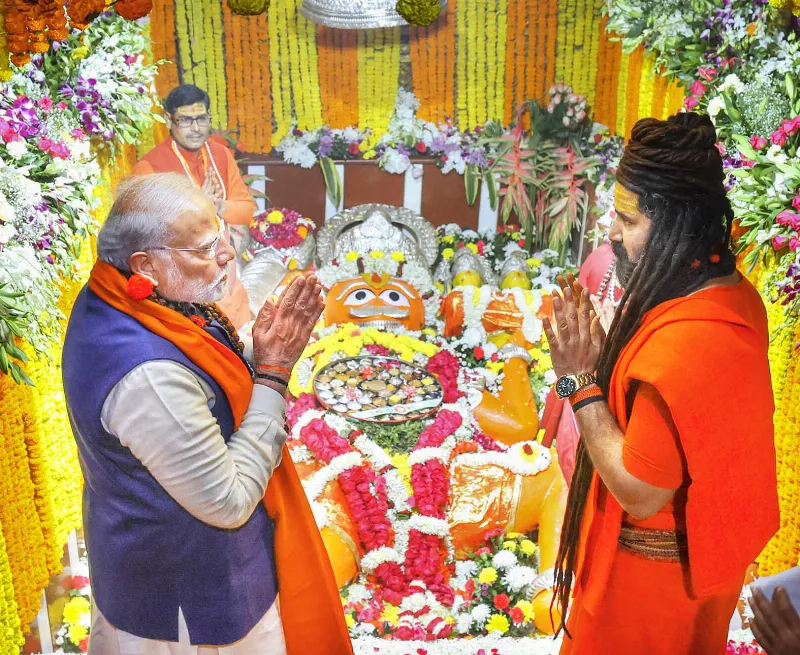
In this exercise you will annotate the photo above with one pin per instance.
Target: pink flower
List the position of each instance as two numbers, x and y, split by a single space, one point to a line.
708 73
788 218
501 601
796 202
78 133
60 150
61 106
720 148
779 242
778 137
794 244
353 149
789 126
517 615
691 102
758 142
422 148
45 103
697 88
481 245
44 144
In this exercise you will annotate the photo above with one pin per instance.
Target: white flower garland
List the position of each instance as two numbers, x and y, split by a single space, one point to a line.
338 465
472 646
511 460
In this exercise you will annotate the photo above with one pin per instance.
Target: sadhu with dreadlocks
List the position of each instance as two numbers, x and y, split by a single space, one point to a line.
674 490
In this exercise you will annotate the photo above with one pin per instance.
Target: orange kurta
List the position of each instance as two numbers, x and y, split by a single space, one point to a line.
239 204
311 610
700 421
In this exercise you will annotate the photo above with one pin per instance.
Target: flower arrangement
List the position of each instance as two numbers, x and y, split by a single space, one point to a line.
496 584
48 178
280 228
102 77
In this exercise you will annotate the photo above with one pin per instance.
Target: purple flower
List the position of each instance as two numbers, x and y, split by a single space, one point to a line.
476 157
326 145
66 90
130 59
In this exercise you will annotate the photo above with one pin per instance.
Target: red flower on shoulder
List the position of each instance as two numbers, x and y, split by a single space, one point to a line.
198 320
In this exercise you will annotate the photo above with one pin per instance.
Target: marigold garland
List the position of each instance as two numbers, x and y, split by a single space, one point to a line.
11 638
646 87
200 51
162 32
133 9
338 71
378 74
433 64
609 54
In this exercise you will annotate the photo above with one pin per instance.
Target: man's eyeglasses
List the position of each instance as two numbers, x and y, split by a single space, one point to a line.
208 253
186 121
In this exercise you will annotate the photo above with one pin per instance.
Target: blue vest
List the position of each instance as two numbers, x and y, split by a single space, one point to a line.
147 555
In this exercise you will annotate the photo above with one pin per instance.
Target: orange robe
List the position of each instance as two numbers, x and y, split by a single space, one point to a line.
311 609
239 204
700 419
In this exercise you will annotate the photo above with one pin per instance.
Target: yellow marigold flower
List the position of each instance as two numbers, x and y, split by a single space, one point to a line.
514 535
473 248
390 614
275 217
349 620
430 331
527 547
351 256
439 287
370 154
495 367
77 633
448 239
5 76
292 264
302 231
487 575
80 53
527 609
497 623
510 545
534 262
377 254
398 256
447 253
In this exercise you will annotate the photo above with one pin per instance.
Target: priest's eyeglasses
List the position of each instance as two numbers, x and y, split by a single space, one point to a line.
208 253
186 121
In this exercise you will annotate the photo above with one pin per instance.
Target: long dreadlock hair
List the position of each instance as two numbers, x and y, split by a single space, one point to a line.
675 169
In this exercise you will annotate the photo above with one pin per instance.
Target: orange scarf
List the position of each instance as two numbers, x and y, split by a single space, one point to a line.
706 355
311 609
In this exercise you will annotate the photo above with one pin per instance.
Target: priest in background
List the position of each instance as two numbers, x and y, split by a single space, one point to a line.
191 151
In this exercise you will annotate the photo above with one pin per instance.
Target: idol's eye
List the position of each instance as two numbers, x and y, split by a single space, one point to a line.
359 297
394 298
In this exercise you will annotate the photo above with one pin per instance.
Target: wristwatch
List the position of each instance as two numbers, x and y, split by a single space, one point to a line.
567 385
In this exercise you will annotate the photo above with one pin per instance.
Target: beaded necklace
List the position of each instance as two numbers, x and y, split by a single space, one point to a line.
203 315
210 160
610 281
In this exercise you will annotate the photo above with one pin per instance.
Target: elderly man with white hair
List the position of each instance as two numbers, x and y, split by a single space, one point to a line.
194 516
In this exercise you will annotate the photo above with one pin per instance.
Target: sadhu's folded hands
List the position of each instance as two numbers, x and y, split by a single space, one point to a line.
776 625
575 346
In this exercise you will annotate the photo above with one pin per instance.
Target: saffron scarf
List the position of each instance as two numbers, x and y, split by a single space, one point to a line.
311 609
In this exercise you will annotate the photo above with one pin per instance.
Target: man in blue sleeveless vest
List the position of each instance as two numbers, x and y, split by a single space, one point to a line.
177 445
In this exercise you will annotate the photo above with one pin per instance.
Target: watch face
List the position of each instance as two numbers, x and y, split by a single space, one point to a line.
565 386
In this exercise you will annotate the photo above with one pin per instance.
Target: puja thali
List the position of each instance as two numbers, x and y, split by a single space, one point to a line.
377 389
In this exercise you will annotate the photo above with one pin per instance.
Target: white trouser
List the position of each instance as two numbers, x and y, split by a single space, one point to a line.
266 638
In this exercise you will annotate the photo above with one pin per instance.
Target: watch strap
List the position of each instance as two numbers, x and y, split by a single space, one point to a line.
589 391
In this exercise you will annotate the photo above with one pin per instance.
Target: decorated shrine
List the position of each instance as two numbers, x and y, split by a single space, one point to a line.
437 165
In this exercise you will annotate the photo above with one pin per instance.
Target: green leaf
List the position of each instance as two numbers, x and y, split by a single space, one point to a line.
12 350
333 182
471 183
790 87
744 147
19 375
491 186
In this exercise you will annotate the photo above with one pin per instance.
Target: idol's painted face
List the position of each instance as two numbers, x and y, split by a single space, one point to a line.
190 126
629 232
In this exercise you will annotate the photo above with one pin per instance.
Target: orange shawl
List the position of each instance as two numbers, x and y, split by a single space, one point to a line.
311 609
706 355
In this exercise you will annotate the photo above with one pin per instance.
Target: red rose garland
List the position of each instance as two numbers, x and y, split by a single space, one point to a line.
367 501
444 365
430 481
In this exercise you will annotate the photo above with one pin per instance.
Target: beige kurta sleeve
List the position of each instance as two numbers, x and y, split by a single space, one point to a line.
161 411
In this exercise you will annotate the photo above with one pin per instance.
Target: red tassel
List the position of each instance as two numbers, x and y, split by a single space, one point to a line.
714 259
139 287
